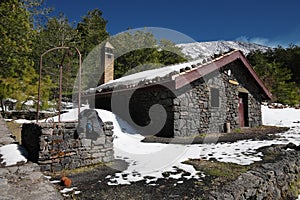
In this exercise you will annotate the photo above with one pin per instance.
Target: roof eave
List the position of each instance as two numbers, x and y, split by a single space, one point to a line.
216 64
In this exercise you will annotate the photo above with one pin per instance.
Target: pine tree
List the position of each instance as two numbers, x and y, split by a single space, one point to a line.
17 76
57 32
92 31
140 50
276 75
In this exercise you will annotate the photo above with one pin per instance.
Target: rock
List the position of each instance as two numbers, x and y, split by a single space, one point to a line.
162 187
23 181
65 181
266 181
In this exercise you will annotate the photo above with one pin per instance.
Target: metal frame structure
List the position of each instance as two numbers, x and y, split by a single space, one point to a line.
60 80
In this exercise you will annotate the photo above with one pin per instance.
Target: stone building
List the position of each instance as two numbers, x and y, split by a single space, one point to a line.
202 96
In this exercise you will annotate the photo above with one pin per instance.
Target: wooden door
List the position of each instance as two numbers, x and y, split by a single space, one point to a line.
241 111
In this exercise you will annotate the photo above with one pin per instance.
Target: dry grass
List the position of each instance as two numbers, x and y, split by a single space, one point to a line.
15 128
230 171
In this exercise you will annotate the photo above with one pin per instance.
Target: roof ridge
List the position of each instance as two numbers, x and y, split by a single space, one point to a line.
140 79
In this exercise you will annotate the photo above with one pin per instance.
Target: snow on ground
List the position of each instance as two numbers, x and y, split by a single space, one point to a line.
19 121
159 158
153 159
148 161
144 159
11 154
281 117
71 115
23 121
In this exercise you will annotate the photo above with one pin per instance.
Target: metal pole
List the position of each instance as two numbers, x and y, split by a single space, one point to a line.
79 80
79 84
60 85
40 80
60 92
39 90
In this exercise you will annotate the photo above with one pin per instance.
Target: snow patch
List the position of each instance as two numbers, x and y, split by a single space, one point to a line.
280 117
12 154
154 159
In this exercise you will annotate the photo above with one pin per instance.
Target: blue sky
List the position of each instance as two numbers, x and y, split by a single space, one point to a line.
265 22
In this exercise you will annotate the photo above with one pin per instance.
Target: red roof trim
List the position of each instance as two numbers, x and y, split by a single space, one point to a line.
196 73
216 64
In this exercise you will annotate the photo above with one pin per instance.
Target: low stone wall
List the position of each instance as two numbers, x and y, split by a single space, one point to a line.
29 115
5 134
58 146
279 179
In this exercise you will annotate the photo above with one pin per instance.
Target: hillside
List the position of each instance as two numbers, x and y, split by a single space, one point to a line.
204 49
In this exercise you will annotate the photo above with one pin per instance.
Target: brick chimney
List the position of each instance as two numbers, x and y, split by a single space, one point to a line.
107 63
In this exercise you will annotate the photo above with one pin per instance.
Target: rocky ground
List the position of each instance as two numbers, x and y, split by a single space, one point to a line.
93 185
276 177
220 179
24 181
258 133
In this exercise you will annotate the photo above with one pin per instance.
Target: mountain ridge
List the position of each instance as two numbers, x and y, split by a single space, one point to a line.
205 49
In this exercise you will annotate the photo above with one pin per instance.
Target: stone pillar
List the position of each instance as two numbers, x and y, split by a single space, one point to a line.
107 63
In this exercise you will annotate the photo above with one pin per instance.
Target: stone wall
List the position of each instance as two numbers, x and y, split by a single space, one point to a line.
194 113
159 120
136 107
189 110
57 146
29 115
193 109
249 86
276 180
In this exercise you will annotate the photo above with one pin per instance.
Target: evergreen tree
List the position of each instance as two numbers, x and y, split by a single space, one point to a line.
139 51
291 58
92 31
17 76
57 32
276 75
39 13
171 54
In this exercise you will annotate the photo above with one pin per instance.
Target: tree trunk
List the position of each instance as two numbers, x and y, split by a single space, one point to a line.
2 106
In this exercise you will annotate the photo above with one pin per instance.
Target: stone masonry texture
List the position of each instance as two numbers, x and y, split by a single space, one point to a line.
189 111
25 180
58 146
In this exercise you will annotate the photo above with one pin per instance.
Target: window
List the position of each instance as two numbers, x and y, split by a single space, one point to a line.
214 95
108 50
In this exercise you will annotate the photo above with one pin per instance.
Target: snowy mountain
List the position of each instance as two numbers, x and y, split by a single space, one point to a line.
205 49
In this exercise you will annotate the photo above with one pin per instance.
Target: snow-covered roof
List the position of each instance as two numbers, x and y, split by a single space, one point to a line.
152 76
10 100
180 74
